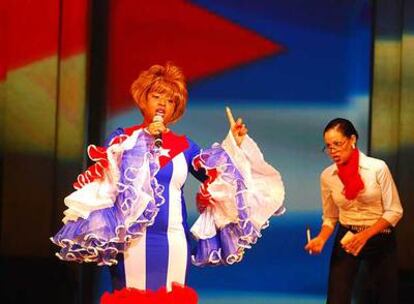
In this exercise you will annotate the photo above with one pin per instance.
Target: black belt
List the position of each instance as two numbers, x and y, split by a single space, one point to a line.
359 228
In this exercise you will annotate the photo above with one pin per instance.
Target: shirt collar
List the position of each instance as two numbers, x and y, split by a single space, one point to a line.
363 161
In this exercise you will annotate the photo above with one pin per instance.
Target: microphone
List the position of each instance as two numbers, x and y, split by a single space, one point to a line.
158 117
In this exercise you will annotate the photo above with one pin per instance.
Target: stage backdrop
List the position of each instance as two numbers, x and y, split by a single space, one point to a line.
43 65
286 68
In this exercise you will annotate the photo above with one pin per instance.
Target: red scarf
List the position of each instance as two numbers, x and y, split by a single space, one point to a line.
349 176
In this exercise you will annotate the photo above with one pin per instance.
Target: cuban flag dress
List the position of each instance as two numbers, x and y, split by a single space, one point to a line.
128 210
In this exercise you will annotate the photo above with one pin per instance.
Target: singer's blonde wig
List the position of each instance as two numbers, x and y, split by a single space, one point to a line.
168 79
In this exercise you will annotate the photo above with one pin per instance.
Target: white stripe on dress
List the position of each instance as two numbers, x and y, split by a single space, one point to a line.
134 263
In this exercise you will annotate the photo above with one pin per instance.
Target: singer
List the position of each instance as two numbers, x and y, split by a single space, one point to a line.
129 211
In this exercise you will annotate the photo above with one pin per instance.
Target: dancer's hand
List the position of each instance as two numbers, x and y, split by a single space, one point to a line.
238 128
356 243
315 245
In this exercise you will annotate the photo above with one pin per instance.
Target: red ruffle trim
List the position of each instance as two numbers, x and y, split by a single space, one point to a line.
178 295
203 197
100 157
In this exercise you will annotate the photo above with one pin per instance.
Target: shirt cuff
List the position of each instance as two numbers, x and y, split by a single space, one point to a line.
330 222
392 217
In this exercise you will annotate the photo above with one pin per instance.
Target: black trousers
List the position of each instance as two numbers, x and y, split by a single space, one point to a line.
379 260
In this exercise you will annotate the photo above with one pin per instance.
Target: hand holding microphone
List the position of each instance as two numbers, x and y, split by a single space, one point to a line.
157 127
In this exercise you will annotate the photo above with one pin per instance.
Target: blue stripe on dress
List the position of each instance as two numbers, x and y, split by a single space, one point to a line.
157 240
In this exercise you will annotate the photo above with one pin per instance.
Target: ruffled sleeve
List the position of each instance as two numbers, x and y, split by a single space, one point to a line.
113 206
237 199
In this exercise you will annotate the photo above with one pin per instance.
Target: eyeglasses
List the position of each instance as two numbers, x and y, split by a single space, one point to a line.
335 146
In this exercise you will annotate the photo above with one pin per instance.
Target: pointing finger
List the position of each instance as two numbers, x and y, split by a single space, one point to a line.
230 117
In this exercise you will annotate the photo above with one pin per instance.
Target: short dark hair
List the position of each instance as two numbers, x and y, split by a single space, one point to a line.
342 125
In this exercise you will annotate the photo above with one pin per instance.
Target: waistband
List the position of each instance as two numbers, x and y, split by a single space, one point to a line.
359 228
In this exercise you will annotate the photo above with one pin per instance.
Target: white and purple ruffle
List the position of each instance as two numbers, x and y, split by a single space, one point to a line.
243 195
96 234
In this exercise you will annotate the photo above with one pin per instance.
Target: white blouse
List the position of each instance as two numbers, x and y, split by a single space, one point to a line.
378 199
